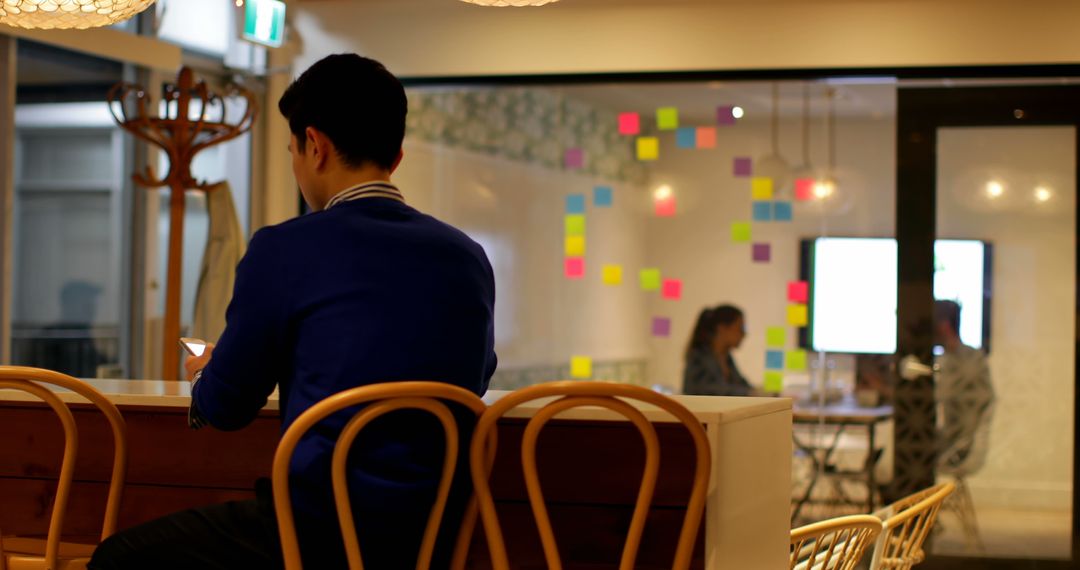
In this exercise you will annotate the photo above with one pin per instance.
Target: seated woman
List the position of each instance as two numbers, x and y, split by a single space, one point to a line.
710 369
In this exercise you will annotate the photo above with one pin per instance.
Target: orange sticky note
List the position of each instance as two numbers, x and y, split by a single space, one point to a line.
706 137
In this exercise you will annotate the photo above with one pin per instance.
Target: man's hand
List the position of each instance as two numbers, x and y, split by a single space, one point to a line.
193 364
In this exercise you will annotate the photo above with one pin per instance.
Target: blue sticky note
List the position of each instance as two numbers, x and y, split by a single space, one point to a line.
782 211
762 211
602 196
686 137
575 204
774 359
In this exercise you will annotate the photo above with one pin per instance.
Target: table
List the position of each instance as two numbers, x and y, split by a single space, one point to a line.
841 414
590 465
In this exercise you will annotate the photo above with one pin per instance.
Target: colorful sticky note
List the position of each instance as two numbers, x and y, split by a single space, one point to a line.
602 197
574 158
661 326
774 359
761 188
782 211
574 267
740 232
706 137
798 291
725 115
574 246
774 381
629 123
648 148
797 315
775 337
575 204
762 211
672 289
664 207
795 360
762 252
649 278
574 224
743 166
686 137
804 189
667 118
580 367
612 274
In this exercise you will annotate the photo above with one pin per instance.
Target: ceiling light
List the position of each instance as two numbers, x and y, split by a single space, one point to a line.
994 189
823 189
662 193
66 14
1043 194
502 3
737 112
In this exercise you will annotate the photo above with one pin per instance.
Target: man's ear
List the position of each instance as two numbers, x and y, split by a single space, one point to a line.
397 161
319 145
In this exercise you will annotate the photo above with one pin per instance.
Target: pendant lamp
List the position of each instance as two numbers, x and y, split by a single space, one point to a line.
773 165
67 14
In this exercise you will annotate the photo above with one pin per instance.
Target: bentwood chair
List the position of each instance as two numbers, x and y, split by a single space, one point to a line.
906 524
573 394
834 544
378 400
52 554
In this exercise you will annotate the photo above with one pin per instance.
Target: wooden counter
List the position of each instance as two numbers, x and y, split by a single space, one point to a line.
590 460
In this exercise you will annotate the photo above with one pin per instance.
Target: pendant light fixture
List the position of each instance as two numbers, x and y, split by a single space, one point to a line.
805 170
773 165
68 14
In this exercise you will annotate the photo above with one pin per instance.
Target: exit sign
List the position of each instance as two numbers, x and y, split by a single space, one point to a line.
264 22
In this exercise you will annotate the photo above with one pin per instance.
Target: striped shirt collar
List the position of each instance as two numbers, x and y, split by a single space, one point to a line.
375 189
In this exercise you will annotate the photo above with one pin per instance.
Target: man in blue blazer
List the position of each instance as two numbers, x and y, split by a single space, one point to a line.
364 289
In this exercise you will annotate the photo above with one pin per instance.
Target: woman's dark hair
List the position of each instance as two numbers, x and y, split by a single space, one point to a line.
707 322
355 102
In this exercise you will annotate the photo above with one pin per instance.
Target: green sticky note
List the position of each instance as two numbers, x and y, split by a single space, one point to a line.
575 224
775 337
667 118
740 232
774 381
795 360
650 279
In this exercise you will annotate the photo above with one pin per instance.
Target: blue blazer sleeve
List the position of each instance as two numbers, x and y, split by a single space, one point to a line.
251 355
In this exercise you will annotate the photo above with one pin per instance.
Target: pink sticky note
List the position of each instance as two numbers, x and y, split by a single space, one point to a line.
672 289
798 291
665 207
743 166
804 189
762 252
706 137
629 123
575 158
575 267
725 115
661 326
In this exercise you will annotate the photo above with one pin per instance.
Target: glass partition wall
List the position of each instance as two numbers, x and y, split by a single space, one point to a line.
616 214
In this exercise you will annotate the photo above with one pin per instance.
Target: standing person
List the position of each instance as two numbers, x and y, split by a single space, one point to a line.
710 369
962 389
363 290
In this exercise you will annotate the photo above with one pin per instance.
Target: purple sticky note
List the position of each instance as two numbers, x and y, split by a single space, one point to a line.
762 253
575 158
661 326
743 166
725 115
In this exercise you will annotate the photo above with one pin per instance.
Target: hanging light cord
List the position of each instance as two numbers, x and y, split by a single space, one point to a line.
776 119
832 132
806 124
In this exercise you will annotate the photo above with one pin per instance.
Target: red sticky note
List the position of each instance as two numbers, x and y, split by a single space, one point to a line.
629 123
706 137
798 291
575 267
804 189
672 289
665 206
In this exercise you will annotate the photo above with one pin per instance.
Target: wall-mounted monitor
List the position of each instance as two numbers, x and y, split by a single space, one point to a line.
853 291
264 22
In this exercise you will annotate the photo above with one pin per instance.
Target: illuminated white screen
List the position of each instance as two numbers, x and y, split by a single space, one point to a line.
959 271
854 295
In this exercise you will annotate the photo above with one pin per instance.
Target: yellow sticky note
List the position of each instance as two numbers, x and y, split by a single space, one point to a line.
667 118
648 148
575 224
740 232
774 381
650 279
795 360
775 337
796 315
575 246
580 367
612 274
761 188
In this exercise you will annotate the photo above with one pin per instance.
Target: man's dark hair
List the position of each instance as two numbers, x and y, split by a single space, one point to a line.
949 312
355 102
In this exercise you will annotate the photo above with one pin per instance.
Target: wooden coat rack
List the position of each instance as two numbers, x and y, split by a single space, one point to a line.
181 131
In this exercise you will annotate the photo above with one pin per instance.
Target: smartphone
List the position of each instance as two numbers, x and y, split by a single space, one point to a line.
194 346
